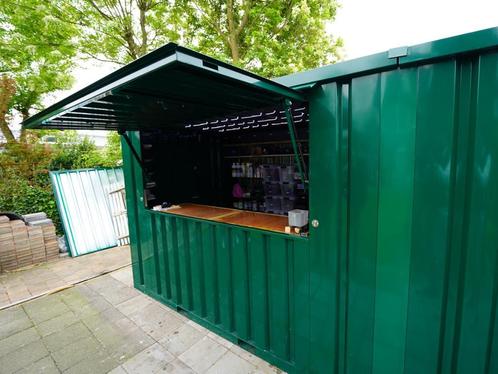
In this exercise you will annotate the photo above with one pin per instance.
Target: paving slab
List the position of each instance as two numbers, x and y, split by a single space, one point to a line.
107 317
135 305
57 323
123 346
46 365
266 368
73 353
151 360
203 354
94 305
104 325
124 276
227 344
64 337
181 339
118 370
20 285
156 320
23 357
178 367
99 363
231 363
13 320
44 309
18 340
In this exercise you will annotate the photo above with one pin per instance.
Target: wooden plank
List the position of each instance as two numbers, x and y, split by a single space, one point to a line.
199 211
264 221
256 220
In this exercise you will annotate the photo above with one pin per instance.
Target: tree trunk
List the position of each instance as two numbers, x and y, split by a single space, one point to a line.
25 115
234 49
4 128
232 33
143 30
7 91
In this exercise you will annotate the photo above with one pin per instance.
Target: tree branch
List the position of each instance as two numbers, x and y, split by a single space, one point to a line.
208 17
94 57
245 17
288 13
143 7
97 8
232 36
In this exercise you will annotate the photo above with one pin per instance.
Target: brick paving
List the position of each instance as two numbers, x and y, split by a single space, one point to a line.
104 325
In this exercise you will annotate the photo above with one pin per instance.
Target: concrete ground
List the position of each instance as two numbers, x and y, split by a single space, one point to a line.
105 325
22 285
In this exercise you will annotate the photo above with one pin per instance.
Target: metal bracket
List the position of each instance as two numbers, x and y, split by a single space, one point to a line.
298 154
397 52
132 148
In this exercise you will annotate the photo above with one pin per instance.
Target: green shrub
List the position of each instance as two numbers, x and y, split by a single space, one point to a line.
20 197
24 171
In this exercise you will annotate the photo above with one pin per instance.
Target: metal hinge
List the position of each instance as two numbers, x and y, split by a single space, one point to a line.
397 52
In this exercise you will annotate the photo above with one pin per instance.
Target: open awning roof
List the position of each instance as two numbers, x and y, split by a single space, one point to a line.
172 86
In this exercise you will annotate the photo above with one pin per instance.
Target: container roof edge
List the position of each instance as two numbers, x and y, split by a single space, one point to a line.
447 47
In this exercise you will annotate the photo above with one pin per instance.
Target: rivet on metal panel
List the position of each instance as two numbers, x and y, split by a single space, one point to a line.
315 223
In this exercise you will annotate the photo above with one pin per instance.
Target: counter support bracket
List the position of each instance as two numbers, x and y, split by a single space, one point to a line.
132 148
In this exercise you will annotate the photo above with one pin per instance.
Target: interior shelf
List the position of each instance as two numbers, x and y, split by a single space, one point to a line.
265 156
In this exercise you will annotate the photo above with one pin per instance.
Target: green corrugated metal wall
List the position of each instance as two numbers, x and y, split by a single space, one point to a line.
413 288
400 276
250 286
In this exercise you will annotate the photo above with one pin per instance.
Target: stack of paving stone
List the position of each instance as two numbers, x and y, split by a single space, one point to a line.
50 240
23 245
8 259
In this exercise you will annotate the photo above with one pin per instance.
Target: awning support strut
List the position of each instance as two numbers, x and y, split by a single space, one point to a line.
298 154
133 150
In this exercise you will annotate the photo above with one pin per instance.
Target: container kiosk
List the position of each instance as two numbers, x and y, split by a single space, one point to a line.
395 157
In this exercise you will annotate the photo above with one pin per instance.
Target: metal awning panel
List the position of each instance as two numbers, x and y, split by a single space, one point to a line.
169 87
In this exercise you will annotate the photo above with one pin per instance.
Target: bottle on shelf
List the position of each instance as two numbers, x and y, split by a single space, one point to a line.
237 170
243 169
249 170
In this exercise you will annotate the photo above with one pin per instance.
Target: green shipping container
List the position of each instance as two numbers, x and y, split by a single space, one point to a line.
399 273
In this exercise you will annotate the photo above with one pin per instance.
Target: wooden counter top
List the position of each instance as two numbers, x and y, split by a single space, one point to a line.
264 221
200 211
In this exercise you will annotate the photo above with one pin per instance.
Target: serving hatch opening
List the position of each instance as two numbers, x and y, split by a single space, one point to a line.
239 169
213 136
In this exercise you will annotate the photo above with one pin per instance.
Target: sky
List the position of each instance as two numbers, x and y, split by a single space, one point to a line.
366 27
373 26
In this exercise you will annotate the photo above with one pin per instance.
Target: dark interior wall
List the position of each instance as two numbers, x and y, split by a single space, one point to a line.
184 167
191 166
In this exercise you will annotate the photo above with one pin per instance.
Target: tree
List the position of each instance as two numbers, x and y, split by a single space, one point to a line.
38 40
7 92
120 31
113 153
36 56
270 37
